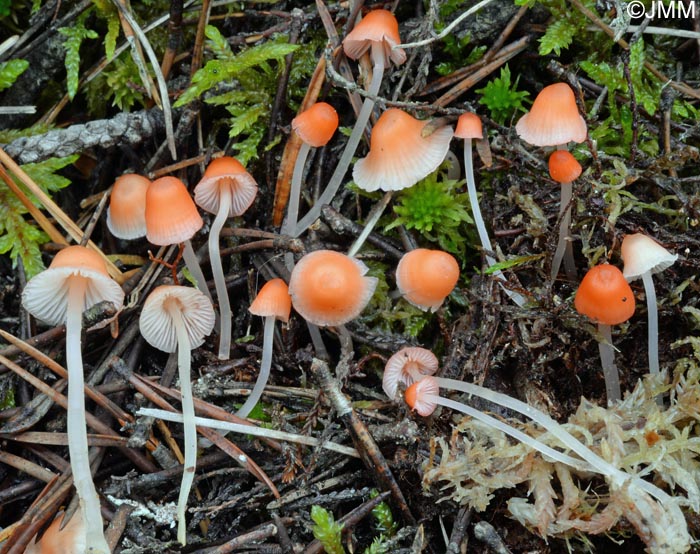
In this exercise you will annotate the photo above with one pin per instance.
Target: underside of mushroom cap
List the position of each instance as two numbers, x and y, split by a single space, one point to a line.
553 119
46 295
399 156
378 27
400 366
226 172
157 325
642 254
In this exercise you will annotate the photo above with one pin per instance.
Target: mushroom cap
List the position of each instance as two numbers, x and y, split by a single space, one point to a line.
469 126
425 277
126 214
61 541
563 167
171 216
416 396
226 172
641 254
402 364
273 300
156 322
316 125
379 27
46 294
329 288
605 296
553 119
399 156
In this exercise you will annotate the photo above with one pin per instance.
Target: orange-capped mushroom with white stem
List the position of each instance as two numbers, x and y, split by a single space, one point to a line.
643 257
605 297
272 302
126 214
401 153
76 280
172 218
564 169
226 190
426 277
177 318
408 365
378 33
315 127
469 127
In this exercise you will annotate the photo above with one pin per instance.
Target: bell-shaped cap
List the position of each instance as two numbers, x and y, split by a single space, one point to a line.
380 28
171 216
329 288
563 167
158 326
417 396
604 296
316 125
226 172
399 155
126 214
643 254
46 294
405 366
425 277
469 126
553 119
273 300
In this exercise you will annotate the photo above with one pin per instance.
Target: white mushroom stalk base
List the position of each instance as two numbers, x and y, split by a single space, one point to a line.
195 269
481 226
354 140
607 360
217 270
190 430
265 366
77 433
565 249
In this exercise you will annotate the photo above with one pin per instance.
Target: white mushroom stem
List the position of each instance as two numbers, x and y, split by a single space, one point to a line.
591 459
652 323
193 266
481 226
294 194
265 365
565 250
217 271
354 140
607 360
374 216
77 432
190 442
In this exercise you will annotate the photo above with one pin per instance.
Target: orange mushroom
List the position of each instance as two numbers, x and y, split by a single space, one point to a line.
272 302
329 288
60 539
564 169
126 214
605 297
425 277
226 190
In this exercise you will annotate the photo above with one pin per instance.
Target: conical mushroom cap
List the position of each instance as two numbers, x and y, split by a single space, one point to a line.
46 294
273 300
399 156
226 172
563 167
469 126
553 119
157 324
171 216
316 125
126 214
425 277
604 296
641 254
378 27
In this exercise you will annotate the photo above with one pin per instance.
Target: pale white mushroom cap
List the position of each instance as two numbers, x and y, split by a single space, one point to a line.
641 254
399 155
417 396
46 295
157 325
398 368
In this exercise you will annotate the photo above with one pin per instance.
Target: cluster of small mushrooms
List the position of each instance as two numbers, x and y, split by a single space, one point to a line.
329 288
